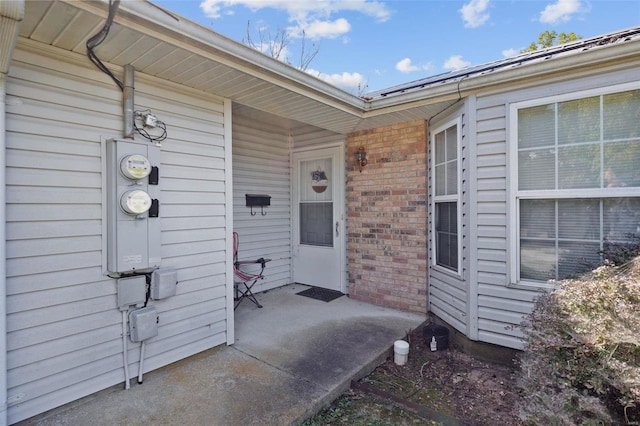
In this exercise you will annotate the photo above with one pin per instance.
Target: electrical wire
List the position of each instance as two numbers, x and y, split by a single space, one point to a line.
98 38
448 106
140 115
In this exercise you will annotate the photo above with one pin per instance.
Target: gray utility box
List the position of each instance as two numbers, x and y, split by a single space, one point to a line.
163 283
131 291
133 192
143 324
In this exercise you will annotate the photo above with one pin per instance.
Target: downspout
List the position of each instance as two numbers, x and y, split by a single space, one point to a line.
11 16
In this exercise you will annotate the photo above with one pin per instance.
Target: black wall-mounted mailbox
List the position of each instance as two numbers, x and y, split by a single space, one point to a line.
258 200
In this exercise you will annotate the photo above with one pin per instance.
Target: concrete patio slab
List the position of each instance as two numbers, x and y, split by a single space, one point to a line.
291 358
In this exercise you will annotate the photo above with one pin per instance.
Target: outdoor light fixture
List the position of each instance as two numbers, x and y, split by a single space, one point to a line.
361 158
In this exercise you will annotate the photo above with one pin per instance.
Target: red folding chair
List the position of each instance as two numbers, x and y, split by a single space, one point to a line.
244 281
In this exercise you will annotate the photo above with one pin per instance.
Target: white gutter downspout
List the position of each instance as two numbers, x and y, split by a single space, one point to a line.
11 16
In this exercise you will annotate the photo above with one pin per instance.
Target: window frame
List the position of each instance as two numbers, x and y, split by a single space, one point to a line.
452 198
515 195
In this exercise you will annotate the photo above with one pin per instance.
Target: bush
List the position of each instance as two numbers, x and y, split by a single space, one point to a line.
581 363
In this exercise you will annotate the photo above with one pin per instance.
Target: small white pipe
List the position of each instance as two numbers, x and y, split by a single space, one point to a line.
124 350
141 361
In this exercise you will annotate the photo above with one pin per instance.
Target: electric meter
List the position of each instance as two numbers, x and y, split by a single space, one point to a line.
135 202
133 206
135 167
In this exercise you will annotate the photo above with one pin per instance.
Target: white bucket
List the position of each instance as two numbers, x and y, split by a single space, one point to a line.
400 352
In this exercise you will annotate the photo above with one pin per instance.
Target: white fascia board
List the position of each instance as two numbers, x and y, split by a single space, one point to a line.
162 24
11 16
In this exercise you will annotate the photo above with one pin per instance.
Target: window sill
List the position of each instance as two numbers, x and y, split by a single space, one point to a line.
446 271
533 286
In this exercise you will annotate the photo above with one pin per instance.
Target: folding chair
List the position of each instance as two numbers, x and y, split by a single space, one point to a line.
244 281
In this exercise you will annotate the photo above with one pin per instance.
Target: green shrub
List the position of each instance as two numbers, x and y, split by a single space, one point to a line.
581 363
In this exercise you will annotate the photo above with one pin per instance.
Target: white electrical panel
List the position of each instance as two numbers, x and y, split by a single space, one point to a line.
143 324
133 192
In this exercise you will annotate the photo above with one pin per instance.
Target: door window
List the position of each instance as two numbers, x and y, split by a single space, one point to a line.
316 203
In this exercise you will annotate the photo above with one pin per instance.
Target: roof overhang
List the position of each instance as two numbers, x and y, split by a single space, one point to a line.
162 44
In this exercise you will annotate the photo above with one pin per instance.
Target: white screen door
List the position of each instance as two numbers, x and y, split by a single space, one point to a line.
318 240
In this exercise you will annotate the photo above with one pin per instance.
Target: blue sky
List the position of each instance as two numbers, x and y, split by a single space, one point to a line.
367 45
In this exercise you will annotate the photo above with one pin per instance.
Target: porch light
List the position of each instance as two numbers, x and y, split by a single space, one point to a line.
361 158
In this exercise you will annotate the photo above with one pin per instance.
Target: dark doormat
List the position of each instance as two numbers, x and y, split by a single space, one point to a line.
319 293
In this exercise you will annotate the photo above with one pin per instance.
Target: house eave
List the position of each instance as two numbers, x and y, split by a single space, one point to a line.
218 66
195 38
472 84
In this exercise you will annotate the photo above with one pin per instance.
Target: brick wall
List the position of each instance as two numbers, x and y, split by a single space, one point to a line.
387 217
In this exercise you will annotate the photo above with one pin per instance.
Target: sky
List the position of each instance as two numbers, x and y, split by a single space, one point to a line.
369 45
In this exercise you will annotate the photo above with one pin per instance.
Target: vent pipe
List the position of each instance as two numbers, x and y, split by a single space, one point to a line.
127 103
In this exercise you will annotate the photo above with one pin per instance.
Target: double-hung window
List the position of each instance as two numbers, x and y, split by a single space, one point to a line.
576 188
445 145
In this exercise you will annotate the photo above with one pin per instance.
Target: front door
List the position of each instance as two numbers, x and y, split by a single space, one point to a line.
318 218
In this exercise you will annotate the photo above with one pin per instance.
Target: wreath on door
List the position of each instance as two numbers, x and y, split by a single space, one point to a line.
319 181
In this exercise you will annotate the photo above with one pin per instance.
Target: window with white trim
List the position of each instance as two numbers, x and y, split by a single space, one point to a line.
577 187
445 144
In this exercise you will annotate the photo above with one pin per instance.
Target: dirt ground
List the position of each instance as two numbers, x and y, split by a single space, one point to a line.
444 387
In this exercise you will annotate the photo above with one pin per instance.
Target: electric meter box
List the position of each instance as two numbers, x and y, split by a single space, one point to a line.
133 236
143 324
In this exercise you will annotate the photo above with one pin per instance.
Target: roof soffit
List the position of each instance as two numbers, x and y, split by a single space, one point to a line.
204 60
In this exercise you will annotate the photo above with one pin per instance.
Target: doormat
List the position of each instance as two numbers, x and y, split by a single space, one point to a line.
319 293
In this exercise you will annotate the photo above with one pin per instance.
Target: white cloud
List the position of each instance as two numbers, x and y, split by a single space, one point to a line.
474 14
508 53
406 66
322 29
211 8
302 10
561 11
455 63
351 82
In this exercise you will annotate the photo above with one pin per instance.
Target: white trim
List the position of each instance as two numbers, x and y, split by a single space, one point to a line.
470 128
3 254
318 147
513 194
104 212
228 187
12 17
339 204
447 198
599 91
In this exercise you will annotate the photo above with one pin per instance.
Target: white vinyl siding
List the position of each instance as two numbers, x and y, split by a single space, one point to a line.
261 166
501 302
448 290
63 328
499 307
